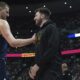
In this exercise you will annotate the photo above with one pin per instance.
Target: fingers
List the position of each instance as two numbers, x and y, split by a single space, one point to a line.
31 76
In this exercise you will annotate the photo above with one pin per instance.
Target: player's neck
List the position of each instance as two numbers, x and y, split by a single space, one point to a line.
0 17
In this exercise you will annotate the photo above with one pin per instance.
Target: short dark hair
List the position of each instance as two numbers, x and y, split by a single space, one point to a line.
3 4
44 10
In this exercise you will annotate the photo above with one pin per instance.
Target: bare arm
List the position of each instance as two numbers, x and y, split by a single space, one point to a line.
6 33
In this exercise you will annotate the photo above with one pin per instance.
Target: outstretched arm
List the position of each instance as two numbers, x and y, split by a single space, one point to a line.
6 33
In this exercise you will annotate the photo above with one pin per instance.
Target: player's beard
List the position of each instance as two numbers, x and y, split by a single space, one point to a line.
38 22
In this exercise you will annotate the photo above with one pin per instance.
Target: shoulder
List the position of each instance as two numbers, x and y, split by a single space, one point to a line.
1 20
51 27
3 23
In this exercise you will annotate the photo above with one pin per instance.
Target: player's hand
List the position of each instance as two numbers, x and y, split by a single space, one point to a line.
33 70
34 38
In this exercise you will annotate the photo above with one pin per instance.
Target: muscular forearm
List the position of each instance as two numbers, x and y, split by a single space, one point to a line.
21 42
